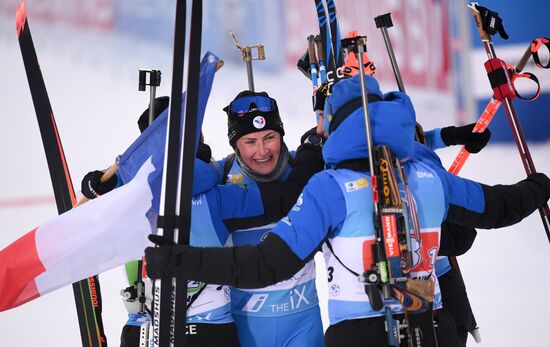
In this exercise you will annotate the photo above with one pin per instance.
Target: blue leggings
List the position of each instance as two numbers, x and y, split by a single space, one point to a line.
294 330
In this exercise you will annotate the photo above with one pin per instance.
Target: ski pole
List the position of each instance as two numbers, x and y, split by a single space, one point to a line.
383 22
503 92
313 63
248 57
154 82
357 45
387 261
321 58
493 106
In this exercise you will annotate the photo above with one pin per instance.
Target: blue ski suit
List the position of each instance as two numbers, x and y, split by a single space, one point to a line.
283 314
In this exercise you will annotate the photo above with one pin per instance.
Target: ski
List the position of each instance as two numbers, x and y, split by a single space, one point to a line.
86 292
329 39
170 297
335 34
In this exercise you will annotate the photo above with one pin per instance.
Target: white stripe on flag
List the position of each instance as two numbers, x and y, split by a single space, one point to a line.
98 236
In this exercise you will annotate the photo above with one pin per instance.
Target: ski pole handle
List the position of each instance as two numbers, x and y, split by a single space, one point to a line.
312 61
154 82
110 172
479 22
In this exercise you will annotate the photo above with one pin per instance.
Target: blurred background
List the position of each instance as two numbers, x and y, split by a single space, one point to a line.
90 52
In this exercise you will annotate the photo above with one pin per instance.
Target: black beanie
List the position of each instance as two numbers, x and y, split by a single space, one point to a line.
161 103
264 116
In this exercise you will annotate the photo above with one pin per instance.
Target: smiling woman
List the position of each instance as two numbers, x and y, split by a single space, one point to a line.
260 151
285 313
255 131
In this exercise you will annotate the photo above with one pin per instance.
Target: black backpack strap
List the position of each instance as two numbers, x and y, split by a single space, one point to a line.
361 165
346 109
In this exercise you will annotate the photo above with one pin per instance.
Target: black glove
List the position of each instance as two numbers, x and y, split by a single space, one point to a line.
312 137
160 261
303 65
474 142
320 96
307 162
92 187
543 181
204 152
491 22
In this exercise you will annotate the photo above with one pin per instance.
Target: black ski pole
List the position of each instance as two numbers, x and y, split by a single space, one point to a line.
383 22
503 93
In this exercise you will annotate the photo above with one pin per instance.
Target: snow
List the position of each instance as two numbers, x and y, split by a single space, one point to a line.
92 82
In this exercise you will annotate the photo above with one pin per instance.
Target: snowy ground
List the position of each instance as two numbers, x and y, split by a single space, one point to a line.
92 82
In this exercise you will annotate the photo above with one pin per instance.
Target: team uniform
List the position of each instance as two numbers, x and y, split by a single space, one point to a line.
336 207
283 314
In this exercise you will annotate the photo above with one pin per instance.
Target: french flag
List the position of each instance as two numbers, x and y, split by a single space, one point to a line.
93 238
105 232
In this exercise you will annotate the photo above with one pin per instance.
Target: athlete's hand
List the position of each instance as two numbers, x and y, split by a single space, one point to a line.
474 142
160 262
92 187
320 97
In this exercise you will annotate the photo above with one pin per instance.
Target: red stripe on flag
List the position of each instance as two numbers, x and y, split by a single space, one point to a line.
19 266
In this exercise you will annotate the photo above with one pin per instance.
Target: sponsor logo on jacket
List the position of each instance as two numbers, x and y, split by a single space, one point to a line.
235 178
424 174
356 185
